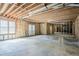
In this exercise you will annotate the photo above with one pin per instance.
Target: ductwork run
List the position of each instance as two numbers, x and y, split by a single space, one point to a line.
50 6
72 4
45 8
4 8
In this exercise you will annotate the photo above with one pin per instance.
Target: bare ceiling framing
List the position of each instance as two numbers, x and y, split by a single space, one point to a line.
28 10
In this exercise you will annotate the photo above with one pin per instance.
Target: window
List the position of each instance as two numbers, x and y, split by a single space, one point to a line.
3 27
11 27
1 37
31 29
7 29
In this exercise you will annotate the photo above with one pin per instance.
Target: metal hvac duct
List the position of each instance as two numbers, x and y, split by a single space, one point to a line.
72 4
45 8
50 6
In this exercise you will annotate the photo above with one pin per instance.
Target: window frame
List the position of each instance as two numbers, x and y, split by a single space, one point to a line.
13 34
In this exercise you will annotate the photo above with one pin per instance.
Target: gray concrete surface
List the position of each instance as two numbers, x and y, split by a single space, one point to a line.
41 45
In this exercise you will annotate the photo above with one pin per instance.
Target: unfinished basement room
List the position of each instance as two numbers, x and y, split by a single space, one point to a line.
39 29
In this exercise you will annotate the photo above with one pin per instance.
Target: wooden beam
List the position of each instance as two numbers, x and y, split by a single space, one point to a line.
4 8
16 9
10 9
25 8
30 10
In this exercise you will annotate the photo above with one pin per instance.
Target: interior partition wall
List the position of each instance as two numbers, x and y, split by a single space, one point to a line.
65 28
7 29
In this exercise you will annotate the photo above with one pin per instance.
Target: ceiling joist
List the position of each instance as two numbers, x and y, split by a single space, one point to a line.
25 9
4 8
10 9
26 12
16 9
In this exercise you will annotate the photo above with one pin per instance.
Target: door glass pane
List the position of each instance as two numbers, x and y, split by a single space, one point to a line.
31 29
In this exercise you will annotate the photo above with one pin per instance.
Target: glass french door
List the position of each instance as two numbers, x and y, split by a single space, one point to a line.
31 29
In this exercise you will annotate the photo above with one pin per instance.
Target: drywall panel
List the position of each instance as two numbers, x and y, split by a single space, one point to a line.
43 28
77 27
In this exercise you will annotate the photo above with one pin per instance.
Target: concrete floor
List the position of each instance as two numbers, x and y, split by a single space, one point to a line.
41 45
